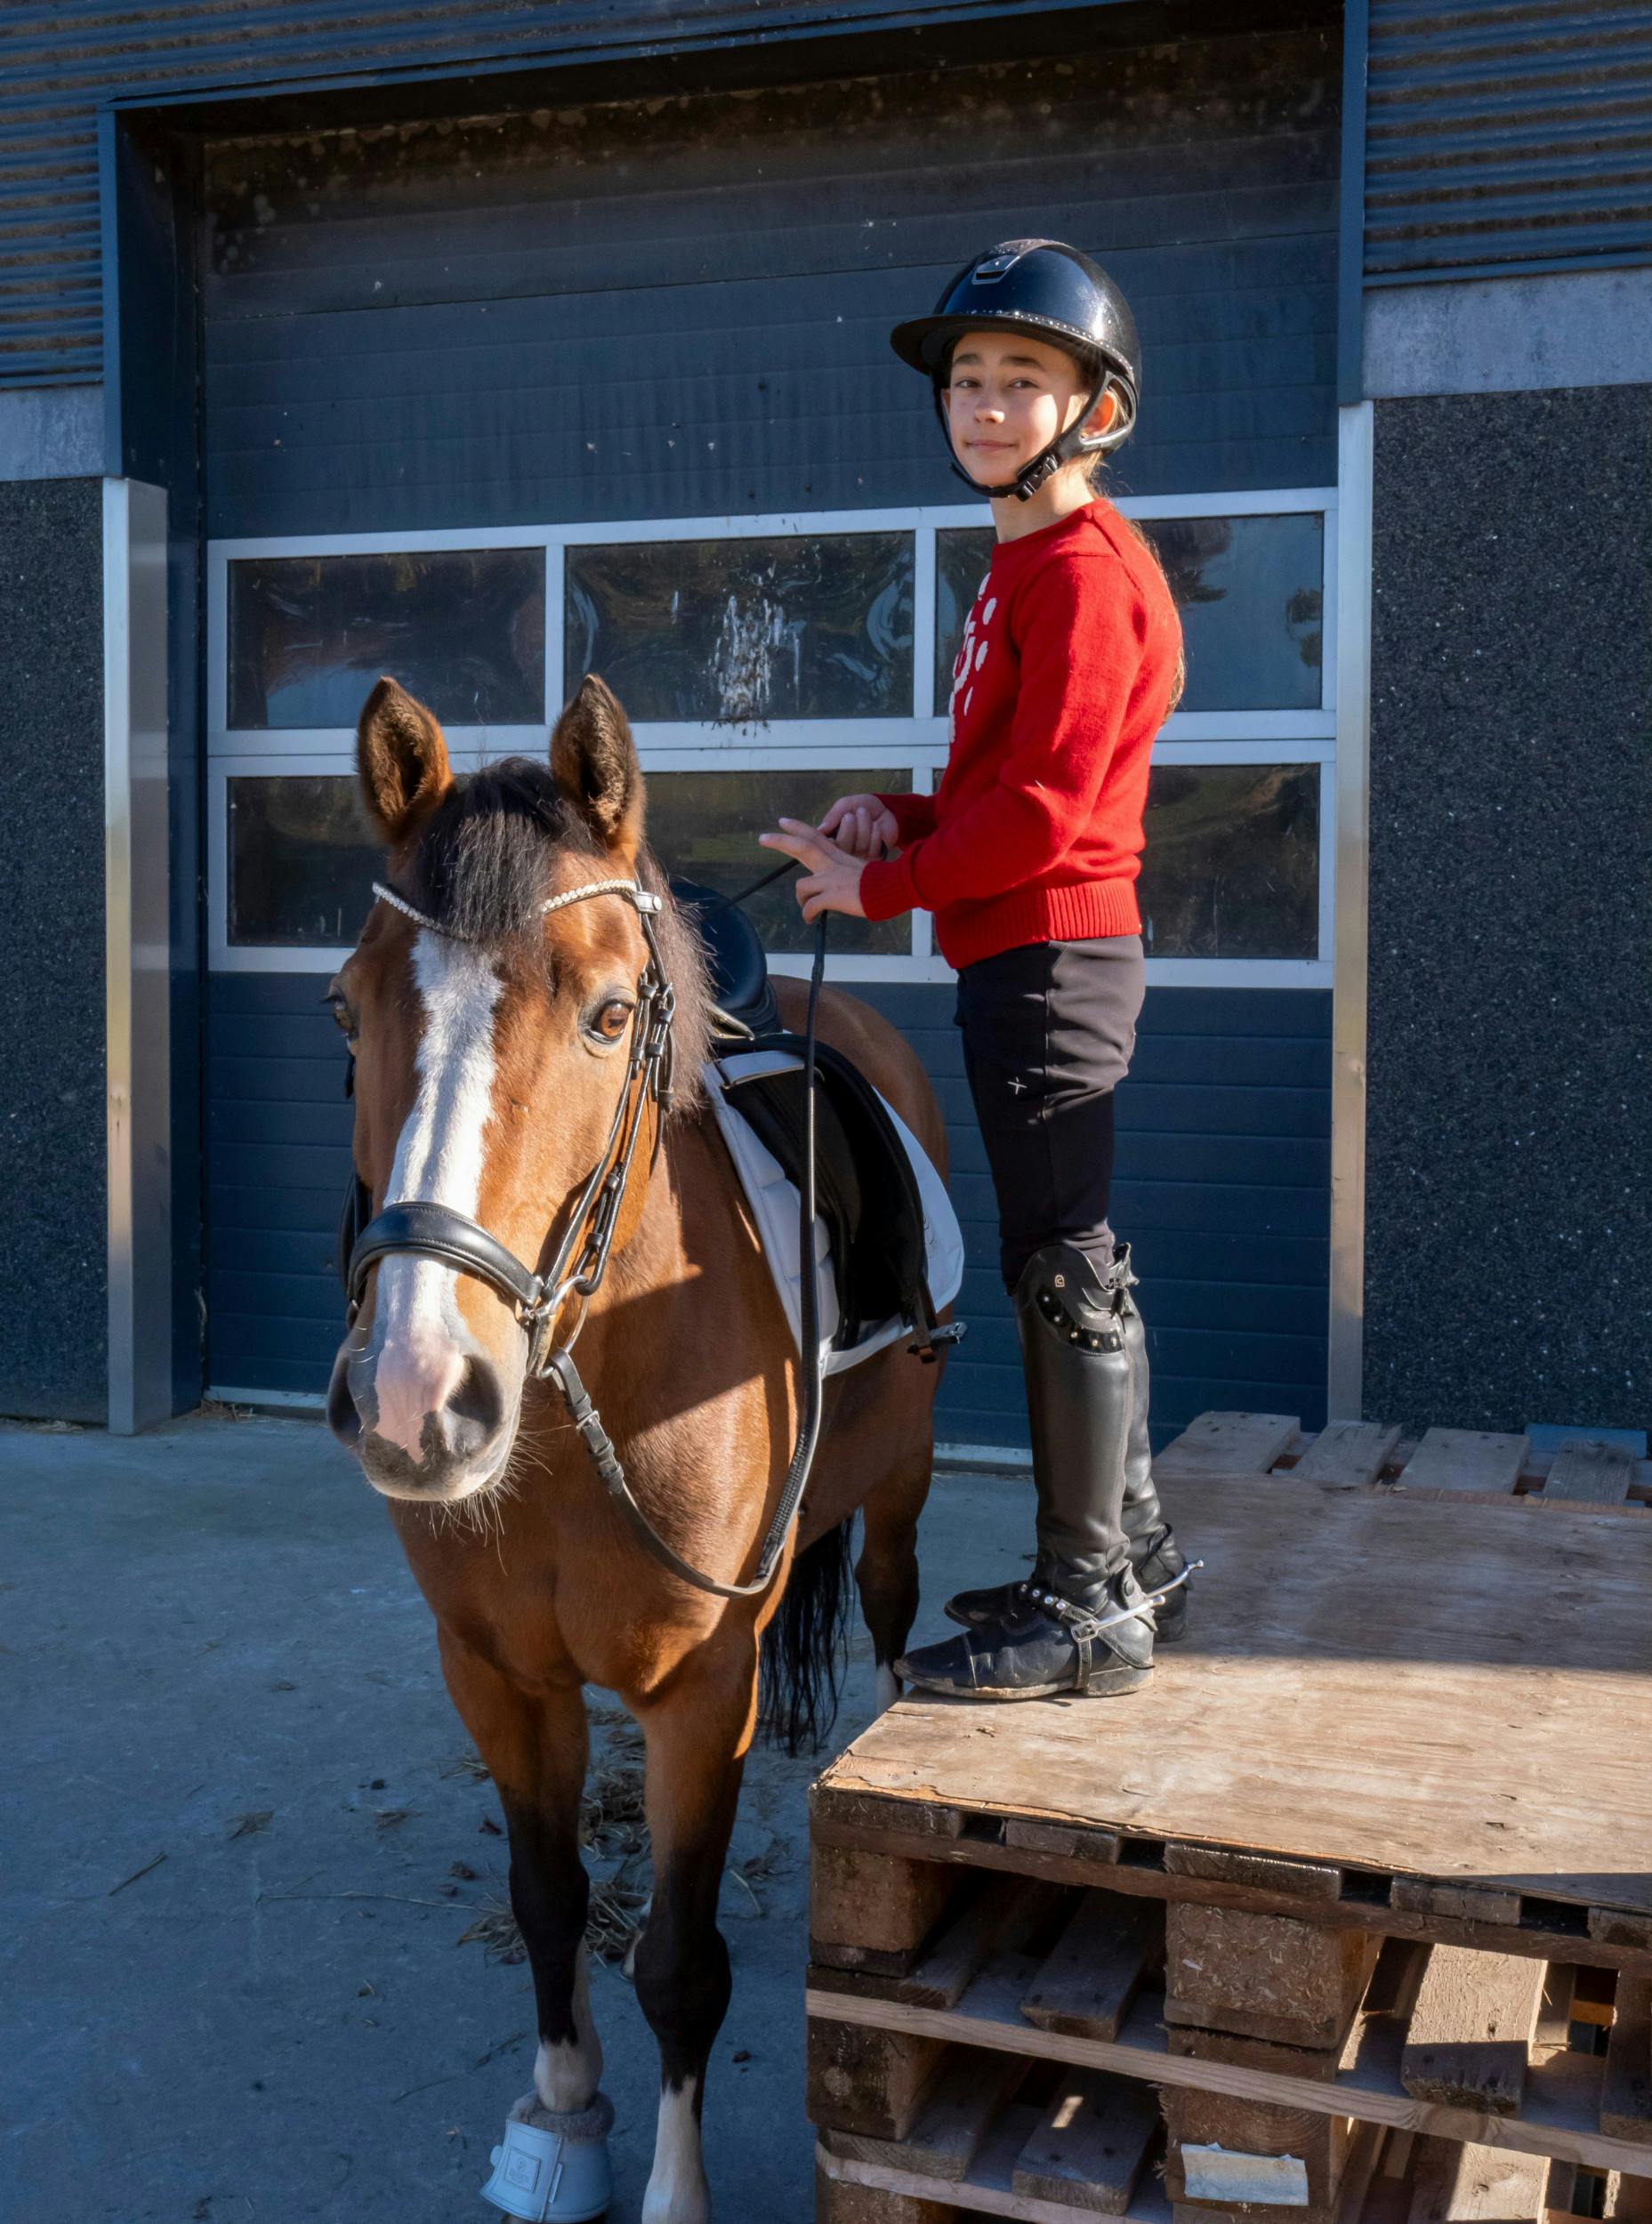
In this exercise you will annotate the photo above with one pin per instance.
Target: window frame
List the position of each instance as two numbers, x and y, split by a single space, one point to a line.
917 742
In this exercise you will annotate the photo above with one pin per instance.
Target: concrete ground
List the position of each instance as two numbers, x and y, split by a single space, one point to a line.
231 1985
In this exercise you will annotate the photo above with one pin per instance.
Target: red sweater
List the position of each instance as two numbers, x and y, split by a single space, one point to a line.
1066 676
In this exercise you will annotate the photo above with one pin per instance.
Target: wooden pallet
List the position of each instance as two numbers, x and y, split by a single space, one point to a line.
1422 1716
1582 1470
1407 2059
1358 1884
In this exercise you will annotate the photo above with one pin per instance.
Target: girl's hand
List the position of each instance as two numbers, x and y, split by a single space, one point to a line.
831 878
861 825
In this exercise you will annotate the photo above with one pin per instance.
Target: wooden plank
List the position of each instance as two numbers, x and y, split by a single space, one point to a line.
1091 2145
1071 1840
1587 1469
1347 1452
1004 1917
1312 1880
1626 2096
1266 1977
958 2112
1467 2184
1388 1745
1226 1444
871 1910
1469 1903
1471 2030
838 2202
1563 2099
1096 1967
1466 1459
990 2189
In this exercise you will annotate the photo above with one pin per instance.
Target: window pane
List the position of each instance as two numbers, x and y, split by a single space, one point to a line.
746 631
302 861
962 555
1250 591
465 631
1231 868
1250 594
705 825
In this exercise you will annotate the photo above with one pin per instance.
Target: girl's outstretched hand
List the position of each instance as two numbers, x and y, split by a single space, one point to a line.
862 825
831 878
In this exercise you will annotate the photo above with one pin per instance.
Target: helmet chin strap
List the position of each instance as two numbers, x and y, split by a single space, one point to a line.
1075 442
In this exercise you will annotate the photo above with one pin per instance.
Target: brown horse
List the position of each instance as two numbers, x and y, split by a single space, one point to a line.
491 1037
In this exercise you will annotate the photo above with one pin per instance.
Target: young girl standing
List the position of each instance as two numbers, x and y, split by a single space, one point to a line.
1027 854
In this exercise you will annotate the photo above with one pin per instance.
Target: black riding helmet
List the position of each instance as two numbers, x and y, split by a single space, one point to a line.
1050 292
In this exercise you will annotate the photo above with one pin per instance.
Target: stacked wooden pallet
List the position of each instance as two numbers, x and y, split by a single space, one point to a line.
1579 1469
1348 1916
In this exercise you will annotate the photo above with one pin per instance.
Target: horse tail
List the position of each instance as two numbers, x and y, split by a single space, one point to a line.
806 1646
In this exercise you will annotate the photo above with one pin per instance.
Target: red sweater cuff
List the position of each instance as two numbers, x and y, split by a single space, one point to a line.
886 888
913 816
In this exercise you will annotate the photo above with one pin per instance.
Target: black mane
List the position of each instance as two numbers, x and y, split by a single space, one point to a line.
482 871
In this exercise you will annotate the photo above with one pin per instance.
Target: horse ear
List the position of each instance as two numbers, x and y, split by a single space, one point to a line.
401 760
594 762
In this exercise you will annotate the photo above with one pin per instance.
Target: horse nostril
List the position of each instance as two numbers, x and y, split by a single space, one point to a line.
474 1414
344 1418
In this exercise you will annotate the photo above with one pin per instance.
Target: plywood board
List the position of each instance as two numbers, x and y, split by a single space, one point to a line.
1328 1706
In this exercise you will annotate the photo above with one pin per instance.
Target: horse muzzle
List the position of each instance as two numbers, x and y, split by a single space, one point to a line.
429 1421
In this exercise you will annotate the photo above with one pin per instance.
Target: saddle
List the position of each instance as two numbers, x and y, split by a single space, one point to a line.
889 1228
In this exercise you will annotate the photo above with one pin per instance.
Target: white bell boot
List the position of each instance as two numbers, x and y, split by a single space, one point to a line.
552 2167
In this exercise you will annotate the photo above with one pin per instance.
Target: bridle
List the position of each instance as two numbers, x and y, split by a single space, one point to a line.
417 1228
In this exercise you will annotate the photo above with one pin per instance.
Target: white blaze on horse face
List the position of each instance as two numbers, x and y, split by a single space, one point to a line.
566 2076
678 2193
422 1343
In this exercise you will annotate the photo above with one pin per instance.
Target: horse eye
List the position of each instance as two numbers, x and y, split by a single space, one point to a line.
606 1022
338 1003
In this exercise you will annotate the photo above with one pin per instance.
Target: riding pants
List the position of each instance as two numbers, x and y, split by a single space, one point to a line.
1048 1033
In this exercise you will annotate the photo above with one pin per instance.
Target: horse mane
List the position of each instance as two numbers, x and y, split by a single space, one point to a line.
480 872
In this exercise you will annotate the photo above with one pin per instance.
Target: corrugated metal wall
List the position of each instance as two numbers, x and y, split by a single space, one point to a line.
59 65
682 309
1507 131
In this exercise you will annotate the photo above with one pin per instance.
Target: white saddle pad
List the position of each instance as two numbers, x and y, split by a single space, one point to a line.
775 1207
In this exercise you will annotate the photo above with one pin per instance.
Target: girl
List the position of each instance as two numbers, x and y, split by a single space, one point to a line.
1027 854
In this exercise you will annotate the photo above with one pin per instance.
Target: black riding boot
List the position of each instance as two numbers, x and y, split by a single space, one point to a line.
1155 1556
1080 1625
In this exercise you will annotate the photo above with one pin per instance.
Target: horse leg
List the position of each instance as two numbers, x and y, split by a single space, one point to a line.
697 1742
886 1574
536 1746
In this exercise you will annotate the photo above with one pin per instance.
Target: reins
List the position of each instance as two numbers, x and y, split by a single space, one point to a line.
418 1227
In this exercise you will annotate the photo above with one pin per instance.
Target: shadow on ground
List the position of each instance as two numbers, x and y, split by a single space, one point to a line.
231 1985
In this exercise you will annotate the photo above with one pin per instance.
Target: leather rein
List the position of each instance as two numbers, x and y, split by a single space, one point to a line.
419 1228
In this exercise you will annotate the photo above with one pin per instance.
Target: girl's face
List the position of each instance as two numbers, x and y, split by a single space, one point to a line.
1008 397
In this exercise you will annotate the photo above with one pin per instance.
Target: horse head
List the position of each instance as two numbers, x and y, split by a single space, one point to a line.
491 1027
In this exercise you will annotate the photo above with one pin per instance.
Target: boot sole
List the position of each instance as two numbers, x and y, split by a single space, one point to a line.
1172 1633
1110 1684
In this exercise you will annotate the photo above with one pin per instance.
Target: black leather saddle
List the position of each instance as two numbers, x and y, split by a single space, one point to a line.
864 1188
741 988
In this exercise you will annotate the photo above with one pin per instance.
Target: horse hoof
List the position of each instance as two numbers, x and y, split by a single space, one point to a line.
554 2169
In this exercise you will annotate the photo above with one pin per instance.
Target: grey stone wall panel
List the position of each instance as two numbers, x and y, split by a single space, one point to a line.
1509 1231
53 1275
